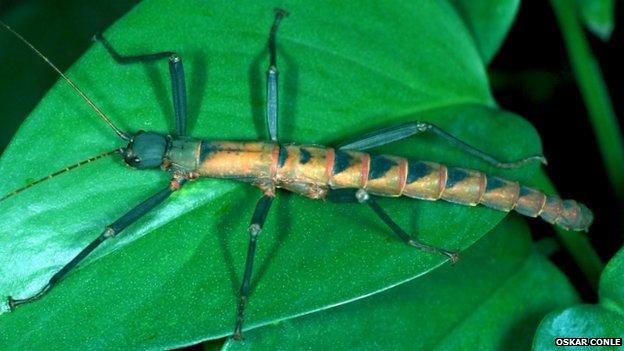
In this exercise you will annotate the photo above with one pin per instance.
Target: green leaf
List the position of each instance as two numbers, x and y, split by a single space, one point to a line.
492 300
489 22
603 320
344 70
598 16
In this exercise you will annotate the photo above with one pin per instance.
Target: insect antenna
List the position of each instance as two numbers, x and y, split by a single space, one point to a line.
59 172
84 96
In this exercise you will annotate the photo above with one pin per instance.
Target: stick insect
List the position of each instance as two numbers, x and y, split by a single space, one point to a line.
345 174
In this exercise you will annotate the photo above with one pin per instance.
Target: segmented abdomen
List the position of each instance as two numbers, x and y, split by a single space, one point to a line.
396 176
313 170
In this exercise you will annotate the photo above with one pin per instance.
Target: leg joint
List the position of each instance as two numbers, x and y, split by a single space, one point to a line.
280 12
175 58
362 196
423 126
109 232
175 184
255 229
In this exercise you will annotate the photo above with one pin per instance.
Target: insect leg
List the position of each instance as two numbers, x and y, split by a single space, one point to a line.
361 196
109 232
176 71
391 134
255 228
272 75
178 88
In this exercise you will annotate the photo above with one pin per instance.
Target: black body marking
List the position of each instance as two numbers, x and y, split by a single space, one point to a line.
342 161
304 156
417 170
207 149
455 176
493 183
283 155
379 166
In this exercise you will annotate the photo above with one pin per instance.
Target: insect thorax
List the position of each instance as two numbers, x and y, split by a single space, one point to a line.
183 154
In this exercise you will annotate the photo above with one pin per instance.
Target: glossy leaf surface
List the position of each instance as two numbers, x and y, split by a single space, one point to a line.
492 300
172 278
488 21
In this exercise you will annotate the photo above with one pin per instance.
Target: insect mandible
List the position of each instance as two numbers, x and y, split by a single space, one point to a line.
342 174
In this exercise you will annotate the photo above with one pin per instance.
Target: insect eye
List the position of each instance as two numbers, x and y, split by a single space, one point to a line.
136 160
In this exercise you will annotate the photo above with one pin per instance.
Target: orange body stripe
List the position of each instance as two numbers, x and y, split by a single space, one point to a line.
516 196
365 170
330 158
482 186
443 173
402 175
539 213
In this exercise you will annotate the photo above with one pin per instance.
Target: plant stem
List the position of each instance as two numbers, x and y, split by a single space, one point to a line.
576 243
594 92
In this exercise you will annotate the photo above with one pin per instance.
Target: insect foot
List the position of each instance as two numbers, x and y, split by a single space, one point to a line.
238 336
454 256
5 305
281 12
255 229
238 330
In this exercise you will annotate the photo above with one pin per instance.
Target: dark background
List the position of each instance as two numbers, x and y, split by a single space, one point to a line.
530 76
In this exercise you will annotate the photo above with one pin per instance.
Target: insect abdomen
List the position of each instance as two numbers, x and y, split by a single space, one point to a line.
396 176
312 170
432 181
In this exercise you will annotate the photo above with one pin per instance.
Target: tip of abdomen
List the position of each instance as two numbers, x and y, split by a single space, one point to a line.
567 214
